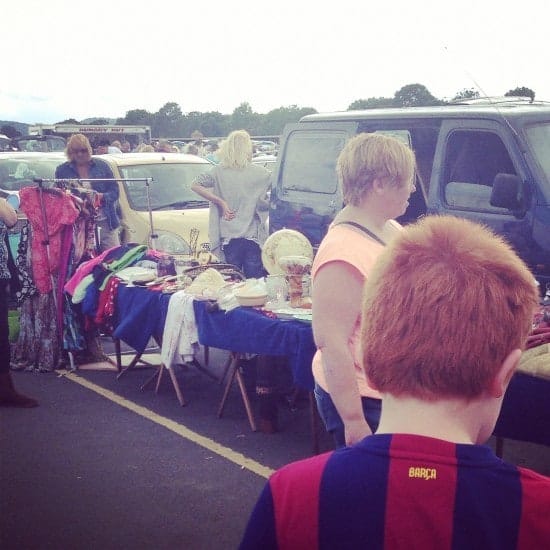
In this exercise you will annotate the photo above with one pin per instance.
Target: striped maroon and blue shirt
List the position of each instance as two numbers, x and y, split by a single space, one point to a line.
402 492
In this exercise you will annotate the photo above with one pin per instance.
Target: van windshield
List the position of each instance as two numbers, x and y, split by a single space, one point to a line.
538 136
170 187
310 161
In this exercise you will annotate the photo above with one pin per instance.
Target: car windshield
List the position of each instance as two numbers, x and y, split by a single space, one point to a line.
170 187
538 136
16 173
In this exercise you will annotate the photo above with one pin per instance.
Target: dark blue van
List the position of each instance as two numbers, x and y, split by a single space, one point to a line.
487 160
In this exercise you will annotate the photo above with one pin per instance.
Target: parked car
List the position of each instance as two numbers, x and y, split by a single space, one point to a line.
179 216
487 161
5 143
18 169
34 143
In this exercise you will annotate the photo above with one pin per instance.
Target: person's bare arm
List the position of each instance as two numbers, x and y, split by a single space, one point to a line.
7 214
337 299
205 193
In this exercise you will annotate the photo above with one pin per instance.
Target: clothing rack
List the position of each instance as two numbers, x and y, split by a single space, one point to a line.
67 183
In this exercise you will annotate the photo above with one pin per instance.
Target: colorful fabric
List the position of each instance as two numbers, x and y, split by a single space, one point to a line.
402 492
60 210
4 271
105 313
28 288
82 271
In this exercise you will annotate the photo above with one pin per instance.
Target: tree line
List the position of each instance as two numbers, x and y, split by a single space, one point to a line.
170 122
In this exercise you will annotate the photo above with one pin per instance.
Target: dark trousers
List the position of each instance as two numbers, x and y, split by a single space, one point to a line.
4 328
246 255
332 420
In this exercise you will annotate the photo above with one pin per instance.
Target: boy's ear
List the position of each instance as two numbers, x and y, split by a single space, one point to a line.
502 378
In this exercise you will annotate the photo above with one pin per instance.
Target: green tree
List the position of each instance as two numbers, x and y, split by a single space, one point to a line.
101 121
9 131
244 118
414 95
466 93
136 117
272 123
167 121
521 92
69 121
371 103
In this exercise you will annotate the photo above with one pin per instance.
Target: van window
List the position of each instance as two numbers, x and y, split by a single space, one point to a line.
538 136
310 161
473 159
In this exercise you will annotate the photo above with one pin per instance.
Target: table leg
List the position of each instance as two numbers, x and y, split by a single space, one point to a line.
231 369
234 372
266 367
118 354
247 405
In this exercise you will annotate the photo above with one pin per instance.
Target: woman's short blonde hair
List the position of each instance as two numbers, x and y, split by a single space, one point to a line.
367 157
236 150
77 141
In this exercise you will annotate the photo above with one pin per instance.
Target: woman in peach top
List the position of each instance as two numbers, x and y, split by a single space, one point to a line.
376 173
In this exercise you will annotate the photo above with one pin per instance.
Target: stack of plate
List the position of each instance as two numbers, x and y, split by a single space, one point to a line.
285 242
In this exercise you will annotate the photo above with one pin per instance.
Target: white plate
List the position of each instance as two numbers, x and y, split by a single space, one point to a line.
285 242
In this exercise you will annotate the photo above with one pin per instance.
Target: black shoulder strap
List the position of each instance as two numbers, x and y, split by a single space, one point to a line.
365 230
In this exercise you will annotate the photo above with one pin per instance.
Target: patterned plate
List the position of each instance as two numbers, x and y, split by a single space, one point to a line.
285 242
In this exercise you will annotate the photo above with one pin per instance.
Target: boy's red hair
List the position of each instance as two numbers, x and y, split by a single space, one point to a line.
446 303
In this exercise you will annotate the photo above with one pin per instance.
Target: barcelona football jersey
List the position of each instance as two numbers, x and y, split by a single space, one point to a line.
402 492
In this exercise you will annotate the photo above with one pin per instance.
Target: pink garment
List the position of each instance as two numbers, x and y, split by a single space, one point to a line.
83 270
343 243
60 210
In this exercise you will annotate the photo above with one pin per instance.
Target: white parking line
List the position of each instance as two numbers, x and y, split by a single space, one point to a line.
225 452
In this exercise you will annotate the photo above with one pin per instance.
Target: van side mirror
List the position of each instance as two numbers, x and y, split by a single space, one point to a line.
507 192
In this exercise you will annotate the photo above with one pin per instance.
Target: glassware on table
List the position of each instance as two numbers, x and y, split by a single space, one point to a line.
277 289
295 267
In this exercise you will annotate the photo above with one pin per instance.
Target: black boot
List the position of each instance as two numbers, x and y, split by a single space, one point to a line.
9 397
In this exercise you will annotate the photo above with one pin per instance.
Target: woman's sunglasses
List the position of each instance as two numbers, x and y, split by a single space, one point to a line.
79 151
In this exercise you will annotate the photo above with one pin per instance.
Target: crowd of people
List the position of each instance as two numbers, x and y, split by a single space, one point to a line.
410 370
206 148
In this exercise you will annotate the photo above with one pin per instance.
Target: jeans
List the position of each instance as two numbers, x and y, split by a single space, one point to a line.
246 255
333 422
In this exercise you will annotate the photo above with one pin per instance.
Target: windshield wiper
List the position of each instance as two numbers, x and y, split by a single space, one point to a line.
181 204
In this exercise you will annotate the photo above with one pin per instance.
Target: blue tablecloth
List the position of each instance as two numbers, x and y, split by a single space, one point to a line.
140 315
246 330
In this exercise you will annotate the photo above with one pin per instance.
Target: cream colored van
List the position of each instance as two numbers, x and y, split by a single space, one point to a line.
157 205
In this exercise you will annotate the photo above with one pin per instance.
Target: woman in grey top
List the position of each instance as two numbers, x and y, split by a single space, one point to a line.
237 191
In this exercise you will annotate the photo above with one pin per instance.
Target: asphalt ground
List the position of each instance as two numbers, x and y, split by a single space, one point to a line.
101 464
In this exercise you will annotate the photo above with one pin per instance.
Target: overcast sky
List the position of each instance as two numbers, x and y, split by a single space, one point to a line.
60 61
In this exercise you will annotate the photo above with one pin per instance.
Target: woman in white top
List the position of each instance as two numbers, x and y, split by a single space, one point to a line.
237 191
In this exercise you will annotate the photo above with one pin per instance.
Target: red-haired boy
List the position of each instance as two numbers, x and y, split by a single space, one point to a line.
446 313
